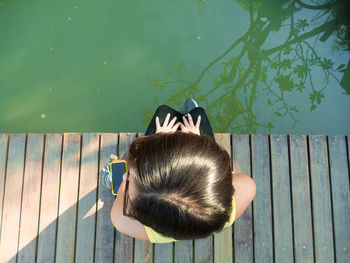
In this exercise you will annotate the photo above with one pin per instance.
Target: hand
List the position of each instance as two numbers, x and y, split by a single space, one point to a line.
167 126
189 126
113 157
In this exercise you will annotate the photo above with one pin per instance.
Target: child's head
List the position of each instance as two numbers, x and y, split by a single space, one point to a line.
183 184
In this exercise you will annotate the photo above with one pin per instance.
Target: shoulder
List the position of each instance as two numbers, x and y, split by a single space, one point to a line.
242 180
245 191
125 224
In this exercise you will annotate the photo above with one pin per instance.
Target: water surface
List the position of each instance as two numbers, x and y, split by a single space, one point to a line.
104 66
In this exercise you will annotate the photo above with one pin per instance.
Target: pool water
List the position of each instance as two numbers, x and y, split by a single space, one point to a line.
104 66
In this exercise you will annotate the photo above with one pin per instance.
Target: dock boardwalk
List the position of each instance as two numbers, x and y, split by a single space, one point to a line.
52 208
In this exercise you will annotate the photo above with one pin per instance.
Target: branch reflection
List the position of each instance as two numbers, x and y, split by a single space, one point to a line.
251 68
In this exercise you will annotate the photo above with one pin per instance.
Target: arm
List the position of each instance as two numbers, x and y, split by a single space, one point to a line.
125 224
245 190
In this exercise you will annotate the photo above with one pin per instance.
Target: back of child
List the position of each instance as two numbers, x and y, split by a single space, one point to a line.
180 182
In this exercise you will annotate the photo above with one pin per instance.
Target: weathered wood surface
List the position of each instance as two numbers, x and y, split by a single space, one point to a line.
50 188
30 198
3 158
52 207
12 198
302 218
281 199
85 239
184 251
262 205
339 172
321 199
67 208
105 236
243 228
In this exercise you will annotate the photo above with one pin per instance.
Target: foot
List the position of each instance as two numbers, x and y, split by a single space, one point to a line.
190 104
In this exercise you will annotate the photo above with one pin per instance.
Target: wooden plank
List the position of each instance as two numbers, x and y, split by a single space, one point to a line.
339 174
163 253
66 229
3 161
321 200
143 249
12 198
282 211
243 227
31 198
183 251
203 250
223 240
49 198
104 247
302 219
348 146
124 244
262 205
85 241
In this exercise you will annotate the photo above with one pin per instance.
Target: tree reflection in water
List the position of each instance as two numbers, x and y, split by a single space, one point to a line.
249 68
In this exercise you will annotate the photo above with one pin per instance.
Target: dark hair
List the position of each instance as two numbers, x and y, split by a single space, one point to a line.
183 183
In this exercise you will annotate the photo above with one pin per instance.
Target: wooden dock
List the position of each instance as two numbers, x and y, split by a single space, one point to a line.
53 210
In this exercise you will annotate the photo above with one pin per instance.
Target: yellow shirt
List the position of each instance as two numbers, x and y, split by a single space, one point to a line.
155 237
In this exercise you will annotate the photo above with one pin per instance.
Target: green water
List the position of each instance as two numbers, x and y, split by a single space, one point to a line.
104 66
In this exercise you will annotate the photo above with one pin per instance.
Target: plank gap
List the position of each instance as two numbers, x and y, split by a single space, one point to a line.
20 213
233 225
7 141
173 252
331 197
272 200
291 191
213 249
40 196
311 195
252 206
59 195
97 191
133 250
78 199
347 140
114 229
